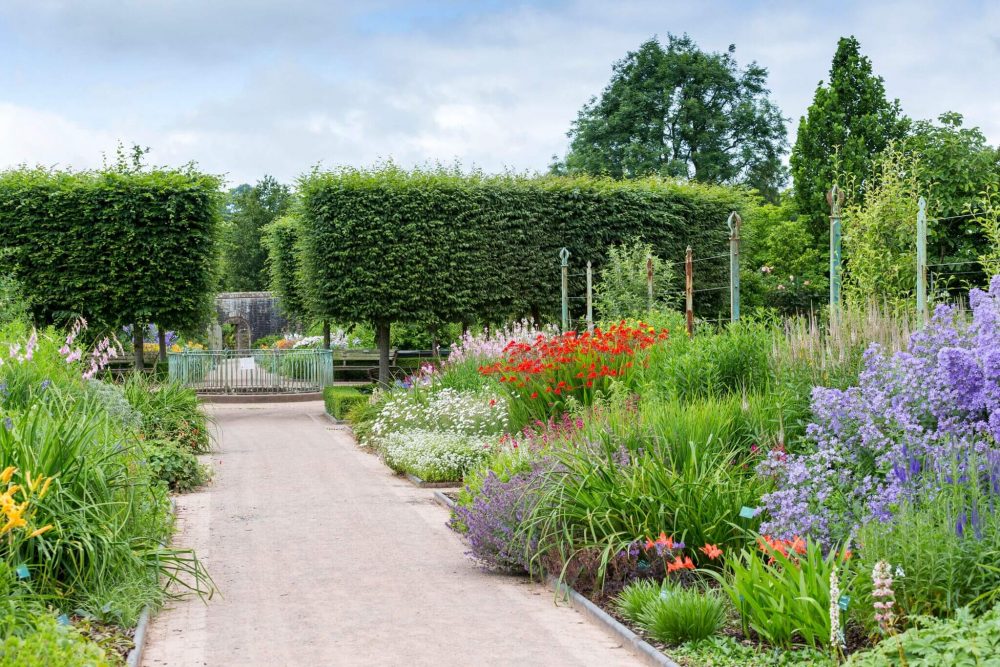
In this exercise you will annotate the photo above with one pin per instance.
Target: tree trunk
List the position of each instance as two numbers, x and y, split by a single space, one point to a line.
382 340
326 334
137 345
163 342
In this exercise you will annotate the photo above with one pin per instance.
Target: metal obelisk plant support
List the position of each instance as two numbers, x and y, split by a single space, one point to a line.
835 198
734 223
922 259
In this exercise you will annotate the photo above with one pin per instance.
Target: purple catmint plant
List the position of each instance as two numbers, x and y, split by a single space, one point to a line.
887 439
493 518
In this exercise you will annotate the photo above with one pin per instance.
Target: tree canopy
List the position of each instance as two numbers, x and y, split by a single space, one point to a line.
849 122
248 211
675 110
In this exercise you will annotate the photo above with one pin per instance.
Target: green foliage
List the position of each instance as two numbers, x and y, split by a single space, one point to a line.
48 643
249 211
281 238
175 465
955 165
946 548
13 303
105 552
962 641
637 596
676 110
725 651
363 231
118 247
849 122
781 267
339 401
786 601
880 231
681 614
622 291
989 220
170 411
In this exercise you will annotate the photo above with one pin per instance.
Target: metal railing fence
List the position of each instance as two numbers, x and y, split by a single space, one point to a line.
252 371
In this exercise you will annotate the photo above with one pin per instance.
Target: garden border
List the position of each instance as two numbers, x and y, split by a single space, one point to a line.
134 657
419 483
636 644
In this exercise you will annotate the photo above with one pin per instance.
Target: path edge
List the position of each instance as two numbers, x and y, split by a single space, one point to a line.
636 644
134 658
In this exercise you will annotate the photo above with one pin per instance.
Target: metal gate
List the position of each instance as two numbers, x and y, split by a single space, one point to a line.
252 371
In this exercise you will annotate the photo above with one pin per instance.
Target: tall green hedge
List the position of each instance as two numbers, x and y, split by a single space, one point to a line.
394 245
282 239
115 247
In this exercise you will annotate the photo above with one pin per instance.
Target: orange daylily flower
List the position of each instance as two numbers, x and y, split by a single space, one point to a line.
711 551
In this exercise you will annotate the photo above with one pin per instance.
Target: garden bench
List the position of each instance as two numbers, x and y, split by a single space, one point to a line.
361 361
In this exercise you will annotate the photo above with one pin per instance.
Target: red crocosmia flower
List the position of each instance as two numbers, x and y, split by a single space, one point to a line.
799 545
590 383
711 551
558 391
493 402
534 394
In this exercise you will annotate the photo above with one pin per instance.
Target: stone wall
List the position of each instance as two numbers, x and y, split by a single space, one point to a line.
255 315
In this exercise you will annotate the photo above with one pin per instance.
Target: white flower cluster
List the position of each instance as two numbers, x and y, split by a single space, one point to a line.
338 340
433 456
448 410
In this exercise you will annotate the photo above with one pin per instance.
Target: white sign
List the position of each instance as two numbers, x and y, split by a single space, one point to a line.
246 364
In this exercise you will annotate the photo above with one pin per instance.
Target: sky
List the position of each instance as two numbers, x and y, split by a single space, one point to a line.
252 87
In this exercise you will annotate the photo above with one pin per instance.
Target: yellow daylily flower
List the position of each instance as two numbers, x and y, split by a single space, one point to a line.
45 488
7 474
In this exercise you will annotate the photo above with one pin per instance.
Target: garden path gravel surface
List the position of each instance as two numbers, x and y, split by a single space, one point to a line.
324 557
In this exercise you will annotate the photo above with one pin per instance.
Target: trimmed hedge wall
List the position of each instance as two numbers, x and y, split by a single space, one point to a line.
395 245
284 265
114 247
340 400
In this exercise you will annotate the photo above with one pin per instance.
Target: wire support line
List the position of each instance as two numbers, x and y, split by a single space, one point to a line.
957 273
971 261
705 259
956 217
711 289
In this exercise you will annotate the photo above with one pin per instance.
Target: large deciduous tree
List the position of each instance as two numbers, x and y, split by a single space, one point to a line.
849 122
675 110
249 210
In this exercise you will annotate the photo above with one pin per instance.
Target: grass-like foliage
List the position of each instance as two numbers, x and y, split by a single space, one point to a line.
680 614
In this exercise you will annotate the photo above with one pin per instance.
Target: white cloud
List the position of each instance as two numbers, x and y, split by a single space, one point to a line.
259 87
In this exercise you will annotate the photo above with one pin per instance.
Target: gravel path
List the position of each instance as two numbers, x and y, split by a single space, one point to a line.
324 557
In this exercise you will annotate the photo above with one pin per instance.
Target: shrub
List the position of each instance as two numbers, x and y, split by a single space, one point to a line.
175 465
622 290
492 518
431 455
962 640
170 411
50 643
339 401
680 614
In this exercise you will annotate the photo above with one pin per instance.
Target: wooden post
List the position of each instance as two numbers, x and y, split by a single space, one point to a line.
689 290
137 345
564 256
835 198
590 298
734 223
922 260
162 333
